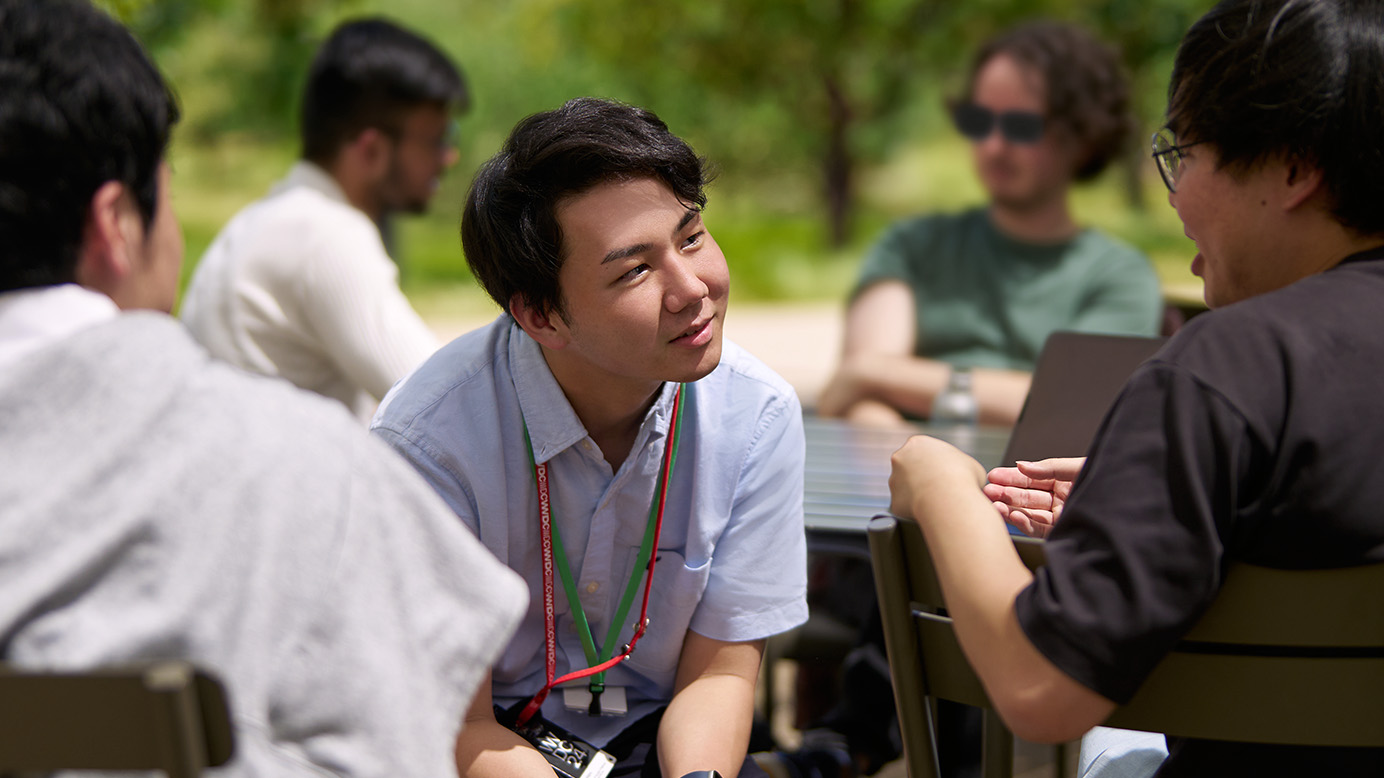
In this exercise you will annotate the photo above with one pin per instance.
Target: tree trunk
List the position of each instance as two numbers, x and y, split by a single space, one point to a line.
837 167
1132 171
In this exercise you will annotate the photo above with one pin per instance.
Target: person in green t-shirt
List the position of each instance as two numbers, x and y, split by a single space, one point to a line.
1046 105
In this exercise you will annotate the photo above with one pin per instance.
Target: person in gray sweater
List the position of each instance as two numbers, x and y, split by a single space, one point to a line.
156 504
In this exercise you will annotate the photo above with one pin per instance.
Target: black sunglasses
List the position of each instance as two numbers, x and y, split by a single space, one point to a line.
976 123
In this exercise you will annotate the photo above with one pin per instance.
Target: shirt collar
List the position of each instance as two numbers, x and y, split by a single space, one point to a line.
553 425
31 319
308 174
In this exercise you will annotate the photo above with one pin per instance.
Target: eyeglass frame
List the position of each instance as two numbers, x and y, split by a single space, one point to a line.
1169 158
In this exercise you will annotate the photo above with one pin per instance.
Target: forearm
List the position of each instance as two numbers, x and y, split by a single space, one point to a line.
707 726
979 571
488 749
910 384
981 576
873 413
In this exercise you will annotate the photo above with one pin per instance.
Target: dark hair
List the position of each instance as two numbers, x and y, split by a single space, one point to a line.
509 228
1302 80
80 105
1087 90
366 74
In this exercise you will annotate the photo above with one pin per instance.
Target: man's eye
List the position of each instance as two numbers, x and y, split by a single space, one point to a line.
693 240
634 273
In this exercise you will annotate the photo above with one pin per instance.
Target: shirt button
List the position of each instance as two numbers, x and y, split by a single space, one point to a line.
592 587
586 445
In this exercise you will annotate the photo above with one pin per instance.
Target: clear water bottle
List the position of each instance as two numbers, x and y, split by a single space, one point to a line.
956 405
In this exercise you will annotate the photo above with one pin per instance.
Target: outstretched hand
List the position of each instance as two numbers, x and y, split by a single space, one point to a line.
1031 495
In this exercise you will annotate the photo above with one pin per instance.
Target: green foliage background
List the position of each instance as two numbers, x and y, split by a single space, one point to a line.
816 112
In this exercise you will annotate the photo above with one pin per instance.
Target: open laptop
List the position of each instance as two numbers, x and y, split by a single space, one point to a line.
1076 380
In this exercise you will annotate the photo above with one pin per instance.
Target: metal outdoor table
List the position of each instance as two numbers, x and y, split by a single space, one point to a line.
847 473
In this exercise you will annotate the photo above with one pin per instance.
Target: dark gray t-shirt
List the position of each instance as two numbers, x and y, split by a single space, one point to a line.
1252 436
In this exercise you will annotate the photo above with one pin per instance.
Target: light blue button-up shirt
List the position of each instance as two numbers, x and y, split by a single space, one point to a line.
731 559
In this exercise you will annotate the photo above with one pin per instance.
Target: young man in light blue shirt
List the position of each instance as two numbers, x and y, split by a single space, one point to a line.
606 381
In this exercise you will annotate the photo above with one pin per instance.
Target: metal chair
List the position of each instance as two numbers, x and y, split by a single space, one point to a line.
165 716
1282 656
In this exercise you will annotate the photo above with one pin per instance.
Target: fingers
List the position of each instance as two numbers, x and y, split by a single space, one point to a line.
1058 468
1019 520
1021 498
1034 522
1012 476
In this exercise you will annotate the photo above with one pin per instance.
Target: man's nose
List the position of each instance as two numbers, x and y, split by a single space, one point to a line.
684 287
993 141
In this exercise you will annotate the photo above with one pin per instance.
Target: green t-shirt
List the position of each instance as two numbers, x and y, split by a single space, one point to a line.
987 300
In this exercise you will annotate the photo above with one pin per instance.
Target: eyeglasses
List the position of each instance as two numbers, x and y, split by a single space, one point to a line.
1168 155
977 122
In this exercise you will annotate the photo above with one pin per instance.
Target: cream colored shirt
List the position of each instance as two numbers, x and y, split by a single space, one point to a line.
299 285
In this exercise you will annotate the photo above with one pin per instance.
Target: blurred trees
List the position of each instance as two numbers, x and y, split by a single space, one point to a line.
797 77
781 91
830 83
241 64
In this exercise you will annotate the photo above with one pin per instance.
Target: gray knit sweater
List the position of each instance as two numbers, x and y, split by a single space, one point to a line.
154 503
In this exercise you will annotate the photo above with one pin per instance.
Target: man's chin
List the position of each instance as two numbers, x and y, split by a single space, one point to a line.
1015 200
414 207
710 360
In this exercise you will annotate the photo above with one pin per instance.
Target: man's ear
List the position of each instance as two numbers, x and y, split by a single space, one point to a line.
111 238
1301 182
545 327
371 149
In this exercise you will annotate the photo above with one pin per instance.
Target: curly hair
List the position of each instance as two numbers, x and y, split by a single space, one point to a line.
1087 89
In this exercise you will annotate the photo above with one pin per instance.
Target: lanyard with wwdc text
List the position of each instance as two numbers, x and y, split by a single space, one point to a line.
553 551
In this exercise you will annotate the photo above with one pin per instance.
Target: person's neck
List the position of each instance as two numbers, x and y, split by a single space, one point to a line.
1321 244
1049 221
358 189
611 409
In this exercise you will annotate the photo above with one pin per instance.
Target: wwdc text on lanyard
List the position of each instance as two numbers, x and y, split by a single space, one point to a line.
644 563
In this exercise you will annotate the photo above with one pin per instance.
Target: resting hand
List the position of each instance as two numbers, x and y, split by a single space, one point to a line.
841 392
1031 495
929 469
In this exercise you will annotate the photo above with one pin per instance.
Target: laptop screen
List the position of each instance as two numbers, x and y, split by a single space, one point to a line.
1077 378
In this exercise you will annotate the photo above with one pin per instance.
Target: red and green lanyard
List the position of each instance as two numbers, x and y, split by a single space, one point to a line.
553 551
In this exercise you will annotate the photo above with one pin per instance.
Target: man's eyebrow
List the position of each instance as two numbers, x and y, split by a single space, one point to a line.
639 248
628 251
687 218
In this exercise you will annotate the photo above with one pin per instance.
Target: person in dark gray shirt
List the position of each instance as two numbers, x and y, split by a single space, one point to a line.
1249 437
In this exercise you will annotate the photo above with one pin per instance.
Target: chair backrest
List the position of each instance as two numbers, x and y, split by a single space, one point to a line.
1282 656
166 716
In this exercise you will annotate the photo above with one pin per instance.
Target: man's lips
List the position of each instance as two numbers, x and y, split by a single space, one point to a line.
696 335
